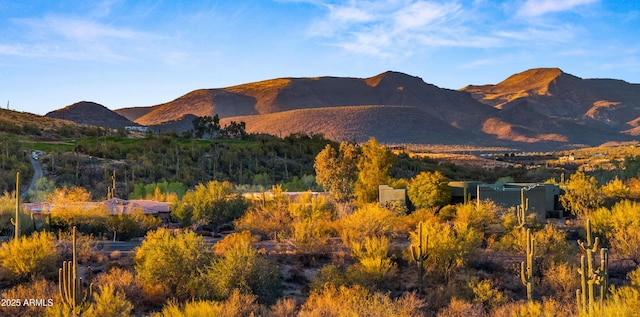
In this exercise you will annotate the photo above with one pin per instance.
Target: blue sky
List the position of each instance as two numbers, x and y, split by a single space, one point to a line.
140 53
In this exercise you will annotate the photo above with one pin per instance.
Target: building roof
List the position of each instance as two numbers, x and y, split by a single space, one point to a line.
115 206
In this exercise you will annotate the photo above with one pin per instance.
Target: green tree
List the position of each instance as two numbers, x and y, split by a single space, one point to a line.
214 203
373 171
206 125
429 189
171 260
337 172
582 194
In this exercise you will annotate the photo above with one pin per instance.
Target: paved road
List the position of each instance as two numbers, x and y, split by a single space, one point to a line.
128 246
38 174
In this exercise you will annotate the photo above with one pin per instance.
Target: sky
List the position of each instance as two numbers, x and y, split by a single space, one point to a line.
122 53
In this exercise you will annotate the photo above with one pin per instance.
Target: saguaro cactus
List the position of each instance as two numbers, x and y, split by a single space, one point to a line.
589 276
71 286
16 221
526 270
419 255
521 210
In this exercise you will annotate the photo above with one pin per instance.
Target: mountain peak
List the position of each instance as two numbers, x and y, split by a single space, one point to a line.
390 76
89 112
532 79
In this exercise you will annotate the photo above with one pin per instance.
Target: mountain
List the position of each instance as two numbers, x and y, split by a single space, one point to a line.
548 95
537 107
391 106
91 113
277 95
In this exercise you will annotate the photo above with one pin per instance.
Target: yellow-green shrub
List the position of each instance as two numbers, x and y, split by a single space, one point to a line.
370 220
171 259
29 257
237 305
357 301
109 302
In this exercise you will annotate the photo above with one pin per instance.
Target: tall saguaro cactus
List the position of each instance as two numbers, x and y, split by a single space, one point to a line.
70 285
589 275
16 221
419 255
526 270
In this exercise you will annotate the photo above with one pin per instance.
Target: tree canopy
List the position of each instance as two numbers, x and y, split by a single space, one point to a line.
429 189
337 171
373 166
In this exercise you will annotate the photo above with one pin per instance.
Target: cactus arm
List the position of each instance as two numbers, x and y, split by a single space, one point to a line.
70 286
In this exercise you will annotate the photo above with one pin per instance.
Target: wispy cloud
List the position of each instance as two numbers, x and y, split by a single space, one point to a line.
93 32
396 28
541 7
384 28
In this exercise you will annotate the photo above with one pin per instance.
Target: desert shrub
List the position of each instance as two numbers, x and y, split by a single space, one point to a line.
624 301
560 281
29 257
268 218
634 277
408 222
450 247
128 226
8 212
237 305
232 240
373 260
476 216
551 244
447 213
122 281
311 219
330 275
486 293
370 220
72 208
171 259
213 203
240 268
37 289
357 301
284 307
461 308
109 302
86 248
547 308
620 226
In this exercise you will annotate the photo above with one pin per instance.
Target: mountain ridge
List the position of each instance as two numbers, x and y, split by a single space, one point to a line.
536 106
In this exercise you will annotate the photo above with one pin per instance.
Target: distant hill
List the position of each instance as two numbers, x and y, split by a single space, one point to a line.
91 113
16 122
